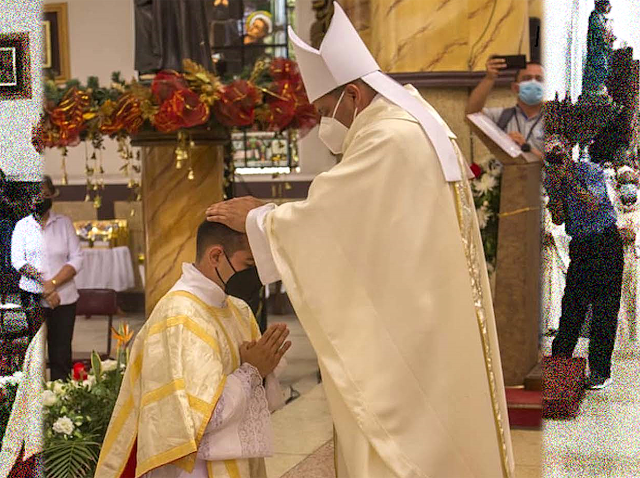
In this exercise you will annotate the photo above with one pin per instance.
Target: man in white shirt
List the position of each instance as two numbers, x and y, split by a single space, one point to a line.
46 251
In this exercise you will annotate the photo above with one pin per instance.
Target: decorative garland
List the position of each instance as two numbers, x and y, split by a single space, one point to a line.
272 98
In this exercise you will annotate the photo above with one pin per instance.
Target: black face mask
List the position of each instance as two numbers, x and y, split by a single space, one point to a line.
42 207
245 285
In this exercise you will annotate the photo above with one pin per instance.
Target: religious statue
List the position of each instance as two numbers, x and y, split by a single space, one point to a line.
170 31
600 39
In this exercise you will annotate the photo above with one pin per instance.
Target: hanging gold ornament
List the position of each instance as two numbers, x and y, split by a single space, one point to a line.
65 179
191 176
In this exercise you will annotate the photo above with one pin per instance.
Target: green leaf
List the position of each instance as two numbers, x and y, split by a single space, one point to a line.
96 366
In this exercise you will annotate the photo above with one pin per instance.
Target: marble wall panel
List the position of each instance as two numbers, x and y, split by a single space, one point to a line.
173 208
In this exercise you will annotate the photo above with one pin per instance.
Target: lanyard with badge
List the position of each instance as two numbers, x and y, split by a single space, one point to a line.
526 147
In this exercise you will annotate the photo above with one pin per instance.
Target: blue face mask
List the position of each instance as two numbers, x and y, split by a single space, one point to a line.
530 92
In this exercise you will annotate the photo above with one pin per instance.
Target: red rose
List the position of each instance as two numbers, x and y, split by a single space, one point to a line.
79 372
237 103
183 110
476 170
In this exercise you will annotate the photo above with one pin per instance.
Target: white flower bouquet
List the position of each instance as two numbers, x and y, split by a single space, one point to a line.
77 413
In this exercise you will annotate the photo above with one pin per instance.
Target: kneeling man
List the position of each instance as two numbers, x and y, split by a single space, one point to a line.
192 401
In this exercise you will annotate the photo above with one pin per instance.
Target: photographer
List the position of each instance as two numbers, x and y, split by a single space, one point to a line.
523 122
578 198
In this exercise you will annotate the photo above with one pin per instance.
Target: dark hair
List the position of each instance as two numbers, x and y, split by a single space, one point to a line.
48 183
519 70
338 91
214 233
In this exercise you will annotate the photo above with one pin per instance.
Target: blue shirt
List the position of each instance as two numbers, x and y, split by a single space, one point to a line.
579 221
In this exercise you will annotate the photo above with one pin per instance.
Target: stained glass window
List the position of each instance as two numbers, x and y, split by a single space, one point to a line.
242 32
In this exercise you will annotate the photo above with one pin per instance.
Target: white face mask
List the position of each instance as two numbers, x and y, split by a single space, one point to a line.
332 132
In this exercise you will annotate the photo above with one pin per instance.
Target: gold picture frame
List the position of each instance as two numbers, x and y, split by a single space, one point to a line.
55 55
15 66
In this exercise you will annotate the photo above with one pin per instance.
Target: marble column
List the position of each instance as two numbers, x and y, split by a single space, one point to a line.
173 207
439 35
359 12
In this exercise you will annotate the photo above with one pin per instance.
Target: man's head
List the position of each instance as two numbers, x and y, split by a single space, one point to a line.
603 6
528 84
221 252
345 102
339 108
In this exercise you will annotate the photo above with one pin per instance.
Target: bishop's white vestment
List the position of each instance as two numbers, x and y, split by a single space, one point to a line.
383 263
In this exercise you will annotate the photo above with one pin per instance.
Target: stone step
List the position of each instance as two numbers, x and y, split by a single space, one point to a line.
533 381
524 408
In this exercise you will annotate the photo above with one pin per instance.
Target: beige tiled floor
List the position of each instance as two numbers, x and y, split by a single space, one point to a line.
604 440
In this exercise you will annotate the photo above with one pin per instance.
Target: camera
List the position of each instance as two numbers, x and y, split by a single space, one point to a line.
555 156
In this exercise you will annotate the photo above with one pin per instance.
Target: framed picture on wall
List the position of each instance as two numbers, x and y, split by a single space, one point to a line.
55 27
15 66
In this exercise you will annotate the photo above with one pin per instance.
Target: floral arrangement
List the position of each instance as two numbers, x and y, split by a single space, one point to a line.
486 192
8 389
271 99
77 412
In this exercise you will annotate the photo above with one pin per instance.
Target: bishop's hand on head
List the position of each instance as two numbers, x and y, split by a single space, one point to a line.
233 213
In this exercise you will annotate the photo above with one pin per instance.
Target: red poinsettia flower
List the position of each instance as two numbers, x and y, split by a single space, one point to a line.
79 372
236 104
183 109
284 69
476 170
166 83
280 114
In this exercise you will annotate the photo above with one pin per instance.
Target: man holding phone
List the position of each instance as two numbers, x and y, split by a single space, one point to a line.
522 122
578 198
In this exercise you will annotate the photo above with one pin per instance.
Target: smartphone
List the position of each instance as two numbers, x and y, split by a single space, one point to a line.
514 62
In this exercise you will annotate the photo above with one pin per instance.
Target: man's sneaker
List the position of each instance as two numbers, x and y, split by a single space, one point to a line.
595 382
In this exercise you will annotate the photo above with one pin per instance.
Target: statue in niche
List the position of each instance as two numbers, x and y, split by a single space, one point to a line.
169 31
224 29
600 39
324 14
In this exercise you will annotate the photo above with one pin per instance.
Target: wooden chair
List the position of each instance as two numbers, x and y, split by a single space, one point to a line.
98 302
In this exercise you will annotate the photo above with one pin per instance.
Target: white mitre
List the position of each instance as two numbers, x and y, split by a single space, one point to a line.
343 57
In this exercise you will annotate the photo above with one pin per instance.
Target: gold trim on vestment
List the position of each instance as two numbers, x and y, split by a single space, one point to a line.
232 468
465 210
162 392
189 324
216 315
167 457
